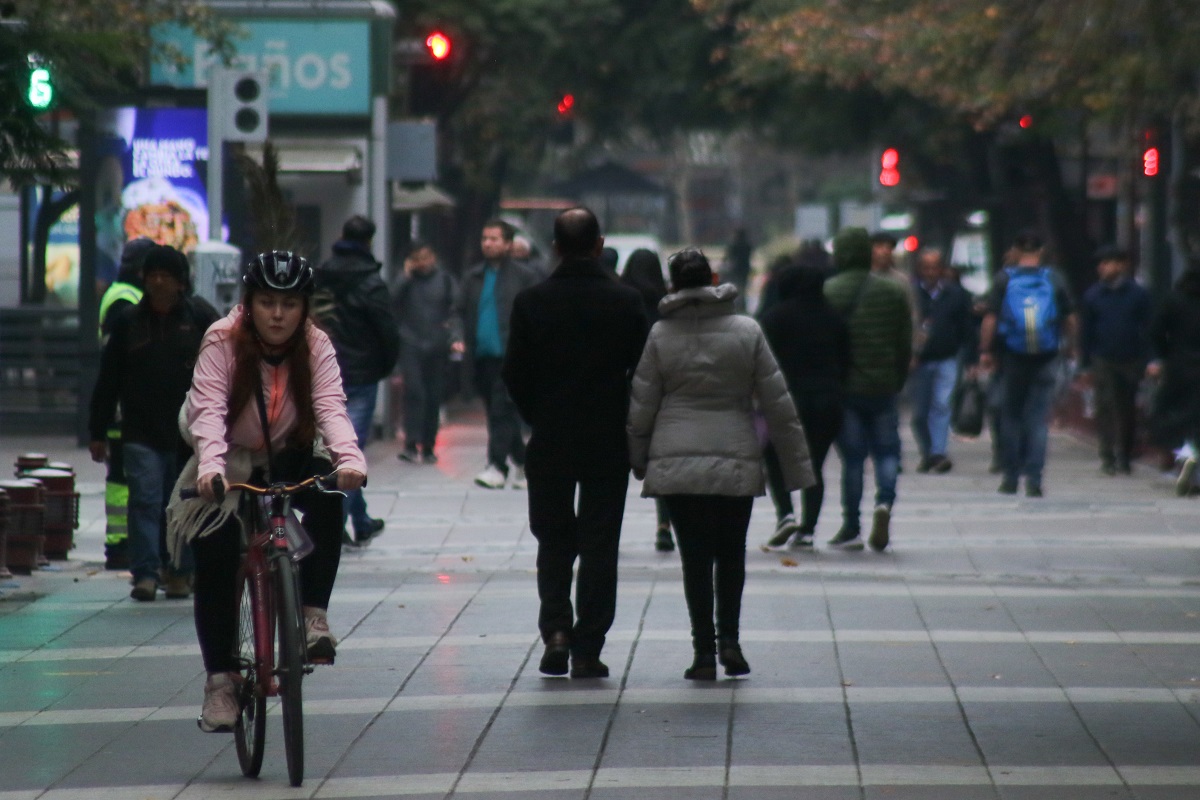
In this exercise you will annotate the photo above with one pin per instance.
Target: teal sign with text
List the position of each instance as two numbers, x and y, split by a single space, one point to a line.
316 66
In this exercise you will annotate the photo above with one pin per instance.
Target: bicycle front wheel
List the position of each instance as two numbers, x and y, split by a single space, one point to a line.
250 732
290 665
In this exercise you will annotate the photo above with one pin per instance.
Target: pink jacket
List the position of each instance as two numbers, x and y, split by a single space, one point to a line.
208 402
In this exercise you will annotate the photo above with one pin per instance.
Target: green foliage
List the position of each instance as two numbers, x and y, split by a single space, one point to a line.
91 47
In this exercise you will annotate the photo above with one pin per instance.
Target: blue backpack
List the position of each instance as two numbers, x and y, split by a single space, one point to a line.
1029 315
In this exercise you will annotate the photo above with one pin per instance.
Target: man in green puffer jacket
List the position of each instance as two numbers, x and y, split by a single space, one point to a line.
877 312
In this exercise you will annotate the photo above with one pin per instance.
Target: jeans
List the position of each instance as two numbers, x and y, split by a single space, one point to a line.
711 530
360 406
870 427
424 386
1116 384
1028 389
503 420
930 387
151 475
591 534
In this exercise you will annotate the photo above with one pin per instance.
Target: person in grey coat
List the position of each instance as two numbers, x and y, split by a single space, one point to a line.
692 440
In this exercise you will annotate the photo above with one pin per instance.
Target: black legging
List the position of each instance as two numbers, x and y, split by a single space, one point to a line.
217 559
821 426
711 530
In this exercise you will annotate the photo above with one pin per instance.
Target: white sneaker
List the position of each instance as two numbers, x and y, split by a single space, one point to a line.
518 478
491 478
321 644
220 711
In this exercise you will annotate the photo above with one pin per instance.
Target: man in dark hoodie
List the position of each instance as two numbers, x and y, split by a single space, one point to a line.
353 305
877 310
147 366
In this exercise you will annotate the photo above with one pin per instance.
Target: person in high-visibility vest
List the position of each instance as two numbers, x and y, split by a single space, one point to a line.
124 292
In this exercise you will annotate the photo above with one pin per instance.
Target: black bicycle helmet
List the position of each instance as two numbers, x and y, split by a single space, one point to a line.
279 271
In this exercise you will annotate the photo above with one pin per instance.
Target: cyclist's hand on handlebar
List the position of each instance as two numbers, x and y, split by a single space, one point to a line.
349 480
211 487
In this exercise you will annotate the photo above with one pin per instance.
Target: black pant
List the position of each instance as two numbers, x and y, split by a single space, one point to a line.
592 534
503 420
711 531
821 426
1116 385
424 387
218 556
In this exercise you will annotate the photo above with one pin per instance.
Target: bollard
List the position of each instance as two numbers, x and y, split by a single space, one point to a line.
4 570
26 519
62 509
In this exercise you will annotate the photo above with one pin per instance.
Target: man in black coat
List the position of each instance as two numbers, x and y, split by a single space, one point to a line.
353 305
146 366
574 341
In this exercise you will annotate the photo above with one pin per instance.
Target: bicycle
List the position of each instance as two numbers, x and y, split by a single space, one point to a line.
269 604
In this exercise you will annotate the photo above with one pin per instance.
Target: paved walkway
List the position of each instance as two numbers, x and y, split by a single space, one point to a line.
1005 648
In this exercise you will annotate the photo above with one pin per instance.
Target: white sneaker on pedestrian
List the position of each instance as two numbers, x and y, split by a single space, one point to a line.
321 644
219 713
518 478
491 478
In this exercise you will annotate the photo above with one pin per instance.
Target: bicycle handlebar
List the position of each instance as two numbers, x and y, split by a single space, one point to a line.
322 483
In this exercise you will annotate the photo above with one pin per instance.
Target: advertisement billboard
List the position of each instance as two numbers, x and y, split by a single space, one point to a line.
150 181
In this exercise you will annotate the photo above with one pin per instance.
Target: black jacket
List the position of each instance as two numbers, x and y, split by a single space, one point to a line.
510 281
574 341
811 343
424 308
147 366
946 322
360 321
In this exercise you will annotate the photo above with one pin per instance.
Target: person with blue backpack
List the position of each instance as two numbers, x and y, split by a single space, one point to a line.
1030 320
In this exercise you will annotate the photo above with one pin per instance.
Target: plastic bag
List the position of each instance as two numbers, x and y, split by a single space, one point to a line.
966 413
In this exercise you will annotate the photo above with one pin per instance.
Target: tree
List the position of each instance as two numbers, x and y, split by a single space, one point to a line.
90 47
1068 63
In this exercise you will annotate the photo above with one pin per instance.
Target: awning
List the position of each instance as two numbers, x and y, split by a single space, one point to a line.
422 198
310 157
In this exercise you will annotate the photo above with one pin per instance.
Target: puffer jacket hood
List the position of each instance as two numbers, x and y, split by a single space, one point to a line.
852 250
709 298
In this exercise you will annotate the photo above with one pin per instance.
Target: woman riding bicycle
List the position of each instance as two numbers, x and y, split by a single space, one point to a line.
265 366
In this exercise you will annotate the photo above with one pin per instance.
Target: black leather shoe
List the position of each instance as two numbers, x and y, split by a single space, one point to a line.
703 668
731 658
554 659
588 668
373 530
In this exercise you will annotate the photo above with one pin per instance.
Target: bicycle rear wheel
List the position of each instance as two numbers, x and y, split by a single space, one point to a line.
250 732
290 665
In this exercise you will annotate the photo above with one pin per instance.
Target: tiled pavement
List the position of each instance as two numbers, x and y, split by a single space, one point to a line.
1005 648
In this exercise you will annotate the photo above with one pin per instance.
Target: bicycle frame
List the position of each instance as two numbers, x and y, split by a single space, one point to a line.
266 541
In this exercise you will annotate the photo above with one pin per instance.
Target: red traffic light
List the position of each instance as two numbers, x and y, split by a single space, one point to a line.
438 45
1026 121
1150 162
566 104
889 167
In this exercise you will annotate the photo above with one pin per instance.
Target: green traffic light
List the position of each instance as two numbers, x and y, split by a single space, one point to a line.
41 89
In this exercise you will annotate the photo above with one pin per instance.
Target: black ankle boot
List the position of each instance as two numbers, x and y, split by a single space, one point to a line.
703 668
730 654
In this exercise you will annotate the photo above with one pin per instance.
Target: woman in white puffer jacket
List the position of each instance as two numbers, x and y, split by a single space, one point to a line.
692 440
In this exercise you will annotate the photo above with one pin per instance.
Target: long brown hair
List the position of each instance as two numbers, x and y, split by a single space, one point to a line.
247 378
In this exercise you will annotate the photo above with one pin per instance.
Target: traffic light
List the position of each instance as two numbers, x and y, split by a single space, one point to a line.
889 167
562 131
241 96
1150 162
438 45
40 92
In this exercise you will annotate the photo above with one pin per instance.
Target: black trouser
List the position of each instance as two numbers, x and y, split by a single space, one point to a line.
821 425
503 419
1116 385
218 556
592 534
711 531
424 387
